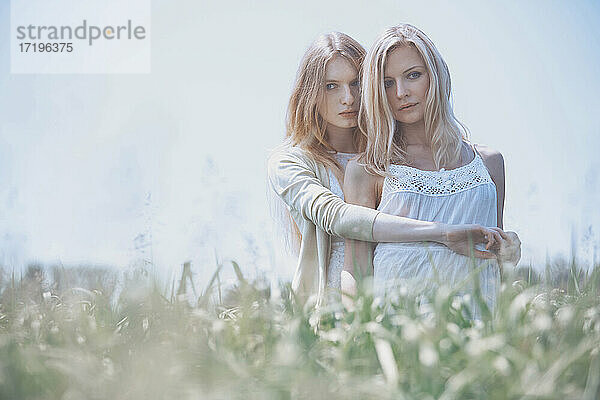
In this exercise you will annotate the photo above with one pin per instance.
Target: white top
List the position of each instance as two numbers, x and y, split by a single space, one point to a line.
464 195
336 255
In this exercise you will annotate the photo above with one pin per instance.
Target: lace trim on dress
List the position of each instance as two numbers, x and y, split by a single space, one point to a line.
437 183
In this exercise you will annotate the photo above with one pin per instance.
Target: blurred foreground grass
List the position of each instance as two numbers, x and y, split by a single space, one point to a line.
79 336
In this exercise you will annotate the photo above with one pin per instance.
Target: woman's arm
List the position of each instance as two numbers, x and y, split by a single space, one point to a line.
509 249
364 189
292 177
360 188
494 162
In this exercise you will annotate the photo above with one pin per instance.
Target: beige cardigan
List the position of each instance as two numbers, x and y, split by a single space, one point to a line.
303 185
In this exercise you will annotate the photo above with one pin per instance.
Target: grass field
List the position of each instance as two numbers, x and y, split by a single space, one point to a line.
87 333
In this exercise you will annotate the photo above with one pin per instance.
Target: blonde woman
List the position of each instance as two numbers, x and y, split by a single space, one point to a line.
307 171
418 164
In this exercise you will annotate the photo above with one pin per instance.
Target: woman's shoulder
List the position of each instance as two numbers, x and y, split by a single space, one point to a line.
486 151
489 155
357 173
354 167
360 186
289 154
493 160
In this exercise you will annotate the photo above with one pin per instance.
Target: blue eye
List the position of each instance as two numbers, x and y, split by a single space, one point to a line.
355 83
330 86
388 83
414 75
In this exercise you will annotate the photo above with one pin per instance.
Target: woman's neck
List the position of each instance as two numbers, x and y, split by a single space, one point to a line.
414 134
341 139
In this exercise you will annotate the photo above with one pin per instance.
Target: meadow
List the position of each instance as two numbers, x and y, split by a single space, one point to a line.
95 333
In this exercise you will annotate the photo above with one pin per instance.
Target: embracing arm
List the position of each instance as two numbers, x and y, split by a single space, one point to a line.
293 177
363 189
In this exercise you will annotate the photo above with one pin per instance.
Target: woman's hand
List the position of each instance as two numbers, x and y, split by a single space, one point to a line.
462 240
509 249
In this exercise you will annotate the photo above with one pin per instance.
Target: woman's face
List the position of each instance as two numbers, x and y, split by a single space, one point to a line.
340 102
406 84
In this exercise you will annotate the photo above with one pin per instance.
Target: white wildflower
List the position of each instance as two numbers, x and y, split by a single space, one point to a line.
477 347
542 322
411 332
564 315
457 302
502 365
519 304
428 356
453 328
332 335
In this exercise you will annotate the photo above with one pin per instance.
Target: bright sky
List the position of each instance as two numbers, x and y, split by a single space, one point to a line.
80 154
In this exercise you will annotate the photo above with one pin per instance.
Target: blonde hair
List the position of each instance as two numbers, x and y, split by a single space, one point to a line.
305 127
385 142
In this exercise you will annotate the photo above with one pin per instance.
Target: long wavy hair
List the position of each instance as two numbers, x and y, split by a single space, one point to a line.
305 127
385 141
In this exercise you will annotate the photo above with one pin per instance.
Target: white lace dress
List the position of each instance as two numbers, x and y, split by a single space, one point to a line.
336 255
465 195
